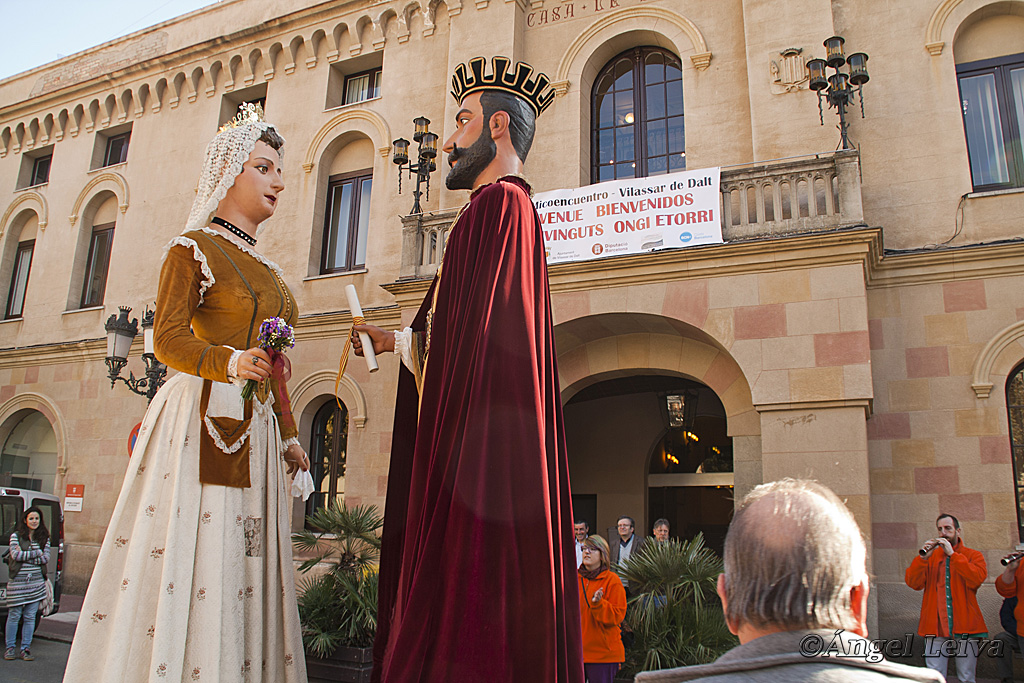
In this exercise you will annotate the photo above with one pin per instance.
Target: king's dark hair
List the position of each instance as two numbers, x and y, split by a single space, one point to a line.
272 138
522 120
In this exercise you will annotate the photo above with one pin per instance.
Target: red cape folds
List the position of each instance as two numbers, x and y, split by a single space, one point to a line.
477 576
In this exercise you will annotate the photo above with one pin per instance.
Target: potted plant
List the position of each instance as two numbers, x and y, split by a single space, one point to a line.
675 614
338 602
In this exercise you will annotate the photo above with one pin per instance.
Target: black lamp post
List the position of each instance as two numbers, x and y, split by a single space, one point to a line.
838 91
120 333
424 165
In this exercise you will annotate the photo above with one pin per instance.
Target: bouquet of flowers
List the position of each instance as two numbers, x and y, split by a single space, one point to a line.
275 337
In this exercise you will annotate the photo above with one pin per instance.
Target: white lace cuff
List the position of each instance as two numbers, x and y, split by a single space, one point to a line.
403 346
294 441
233 364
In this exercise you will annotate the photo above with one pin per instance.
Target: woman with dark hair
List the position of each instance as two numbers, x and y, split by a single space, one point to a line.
195 581
602 609
26 589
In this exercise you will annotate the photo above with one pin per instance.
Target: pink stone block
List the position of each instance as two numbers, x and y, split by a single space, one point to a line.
994 449
382 485
889 426
6 392
687 301
876 336
936 480
842 348
32 374
385 442
570 305
722 373
963 506
967 295
62 373
894 535
1020 314
760 322
930 361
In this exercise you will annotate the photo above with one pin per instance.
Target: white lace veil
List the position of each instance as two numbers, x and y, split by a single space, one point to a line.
225 154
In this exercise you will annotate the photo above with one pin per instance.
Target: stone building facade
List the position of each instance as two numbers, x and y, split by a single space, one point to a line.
860 324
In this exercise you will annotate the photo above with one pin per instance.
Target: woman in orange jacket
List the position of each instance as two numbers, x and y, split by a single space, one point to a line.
602 607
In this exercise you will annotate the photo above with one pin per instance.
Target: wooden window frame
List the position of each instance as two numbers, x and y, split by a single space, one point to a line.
356 178
48 158
1013 137
124 150
26 246
637 55
375 80
101 289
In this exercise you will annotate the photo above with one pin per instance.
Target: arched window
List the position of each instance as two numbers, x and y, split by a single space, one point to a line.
989 55
637 116
346 219
327 450
1015 408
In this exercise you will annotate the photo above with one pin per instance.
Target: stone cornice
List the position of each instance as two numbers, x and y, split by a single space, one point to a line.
961 263
313 327
54 354
206 49
734 258
863 403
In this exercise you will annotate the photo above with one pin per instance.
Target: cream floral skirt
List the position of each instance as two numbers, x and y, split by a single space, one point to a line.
194 582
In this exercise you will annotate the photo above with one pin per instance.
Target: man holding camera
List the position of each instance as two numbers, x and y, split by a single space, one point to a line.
950 574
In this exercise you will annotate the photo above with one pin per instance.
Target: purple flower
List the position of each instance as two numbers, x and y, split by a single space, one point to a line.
275 336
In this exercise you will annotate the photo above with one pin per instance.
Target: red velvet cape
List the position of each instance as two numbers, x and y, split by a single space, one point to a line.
478 576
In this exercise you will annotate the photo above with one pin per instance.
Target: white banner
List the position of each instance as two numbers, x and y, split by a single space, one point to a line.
631 216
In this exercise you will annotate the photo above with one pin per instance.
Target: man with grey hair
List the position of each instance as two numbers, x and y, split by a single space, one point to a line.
795 593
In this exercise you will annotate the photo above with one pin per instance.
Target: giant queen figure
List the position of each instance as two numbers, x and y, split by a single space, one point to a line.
478 576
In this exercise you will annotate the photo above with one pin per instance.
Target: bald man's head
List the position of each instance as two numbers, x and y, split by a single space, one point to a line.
792 554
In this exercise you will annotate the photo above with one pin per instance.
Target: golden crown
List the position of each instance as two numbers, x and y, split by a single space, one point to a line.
248 112
537 91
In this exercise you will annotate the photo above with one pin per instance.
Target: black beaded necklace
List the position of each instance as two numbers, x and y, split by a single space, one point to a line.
234 230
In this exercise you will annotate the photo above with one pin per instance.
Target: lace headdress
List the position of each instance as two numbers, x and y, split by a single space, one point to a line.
225 154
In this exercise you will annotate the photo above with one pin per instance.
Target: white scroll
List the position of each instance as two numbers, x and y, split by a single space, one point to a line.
357 312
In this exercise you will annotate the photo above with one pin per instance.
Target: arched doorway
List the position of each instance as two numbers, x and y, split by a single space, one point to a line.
690 470
650 446
28 459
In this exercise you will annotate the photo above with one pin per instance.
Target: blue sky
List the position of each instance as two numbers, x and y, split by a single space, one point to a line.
75 25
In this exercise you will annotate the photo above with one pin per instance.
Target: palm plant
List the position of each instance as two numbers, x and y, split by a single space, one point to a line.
675 614
338 608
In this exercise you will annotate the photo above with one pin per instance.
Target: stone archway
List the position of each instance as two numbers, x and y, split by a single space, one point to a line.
612 465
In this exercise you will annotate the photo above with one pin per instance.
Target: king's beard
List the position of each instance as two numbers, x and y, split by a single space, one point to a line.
471 162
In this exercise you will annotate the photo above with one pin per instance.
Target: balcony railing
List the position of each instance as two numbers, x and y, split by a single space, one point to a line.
769 199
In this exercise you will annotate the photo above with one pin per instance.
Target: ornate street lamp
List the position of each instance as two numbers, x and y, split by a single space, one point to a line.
837 87
120 333
424 165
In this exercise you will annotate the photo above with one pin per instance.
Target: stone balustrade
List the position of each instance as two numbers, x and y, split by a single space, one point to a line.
799 195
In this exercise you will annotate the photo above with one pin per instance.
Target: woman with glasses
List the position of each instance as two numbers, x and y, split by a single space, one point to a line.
602 608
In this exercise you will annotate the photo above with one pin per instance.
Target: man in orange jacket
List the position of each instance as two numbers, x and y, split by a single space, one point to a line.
950 574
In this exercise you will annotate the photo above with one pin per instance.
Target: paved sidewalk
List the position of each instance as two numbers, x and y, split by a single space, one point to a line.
61 626
48 667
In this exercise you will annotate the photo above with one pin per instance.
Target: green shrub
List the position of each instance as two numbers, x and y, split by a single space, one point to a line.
338 608
675 614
